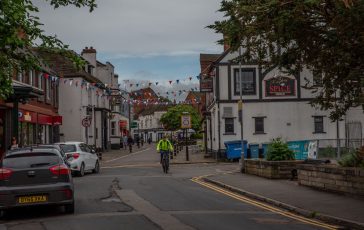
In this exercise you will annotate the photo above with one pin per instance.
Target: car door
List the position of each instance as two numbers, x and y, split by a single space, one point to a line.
85 155
93 157
90 161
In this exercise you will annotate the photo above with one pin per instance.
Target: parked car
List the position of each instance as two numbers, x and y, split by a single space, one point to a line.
81 157
35 176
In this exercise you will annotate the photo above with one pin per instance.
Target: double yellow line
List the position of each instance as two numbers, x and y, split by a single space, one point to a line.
262 205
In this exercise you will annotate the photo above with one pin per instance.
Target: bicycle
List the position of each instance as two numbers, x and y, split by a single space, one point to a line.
165 161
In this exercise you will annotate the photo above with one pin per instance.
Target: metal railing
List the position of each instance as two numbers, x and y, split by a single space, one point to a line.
336 149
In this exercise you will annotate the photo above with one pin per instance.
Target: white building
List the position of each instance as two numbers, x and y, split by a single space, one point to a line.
274 105
149 125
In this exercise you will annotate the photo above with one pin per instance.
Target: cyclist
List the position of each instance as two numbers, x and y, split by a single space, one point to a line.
164 146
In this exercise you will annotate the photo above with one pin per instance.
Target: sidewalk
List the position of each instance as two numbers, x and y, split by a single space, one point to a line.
286 194
114 153
194 158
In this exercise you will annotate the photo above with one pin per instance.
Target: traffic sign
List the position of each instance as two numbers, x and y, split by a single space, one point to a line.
86 122
186 122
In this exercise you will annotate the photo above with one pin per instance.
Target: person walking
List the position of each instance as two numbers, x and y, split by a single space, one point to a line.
164 146
125 141
130 143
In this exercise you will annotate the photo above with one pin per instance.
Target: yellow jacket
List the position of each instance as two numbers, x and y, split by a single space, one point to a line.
164 145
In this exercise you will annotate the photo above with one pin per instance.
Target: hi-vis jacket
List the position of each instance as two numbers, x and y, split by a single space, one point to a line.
164 145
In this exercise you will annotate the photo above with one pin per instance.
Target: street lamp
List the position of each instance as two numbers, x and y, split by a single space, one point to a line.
240 108
183 125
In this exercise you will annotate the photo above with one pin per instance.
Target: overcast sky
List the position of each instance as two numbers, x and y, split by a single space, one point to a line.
157 40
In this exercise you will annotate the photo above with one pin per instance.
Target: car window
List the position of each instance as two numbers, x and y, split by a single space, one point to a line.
31 160
68 148
88 149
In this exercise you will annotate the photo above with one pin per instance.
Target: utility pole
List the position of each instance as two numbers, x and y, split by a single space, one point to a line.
240 109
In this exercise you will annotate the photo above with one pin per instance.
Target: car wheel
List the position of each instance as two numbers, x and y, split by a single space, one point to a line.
97 167
82 170
70 208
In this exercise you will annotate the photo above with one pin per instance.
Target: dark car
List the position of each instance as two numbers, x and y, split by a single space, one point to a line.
35 176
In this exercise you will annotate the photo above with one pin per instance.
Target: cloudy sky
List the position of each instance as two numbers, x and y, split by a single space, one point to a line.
156 40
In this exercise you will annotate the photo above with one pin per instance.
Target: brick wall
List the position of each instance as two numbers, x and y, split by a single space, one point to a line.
332 178
271 169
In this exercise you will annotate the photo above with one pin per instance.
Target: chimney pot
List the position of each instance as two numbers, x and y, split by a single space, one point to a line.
86 48
91 47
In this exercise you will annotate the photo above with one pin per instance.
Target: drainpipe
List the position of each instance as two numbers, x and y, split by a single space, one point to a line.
15 117
219 127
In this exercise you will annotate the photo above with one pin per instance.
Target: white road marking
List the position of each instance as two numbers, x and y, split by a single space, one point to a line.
115 159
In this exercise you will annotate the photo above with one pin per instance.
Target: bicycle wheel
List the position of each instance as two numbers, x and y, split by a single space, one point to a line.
164 165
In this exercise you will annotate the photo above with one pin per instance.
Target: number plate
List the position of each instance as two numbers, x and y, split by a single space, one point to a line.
32 199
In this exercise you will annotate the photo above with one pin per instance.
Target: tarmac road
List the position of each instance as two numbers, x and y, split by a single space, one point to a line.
131 192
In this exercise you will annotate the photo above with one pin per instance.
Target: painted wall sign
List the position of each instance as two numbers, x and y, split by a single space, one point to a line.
206 85
280 86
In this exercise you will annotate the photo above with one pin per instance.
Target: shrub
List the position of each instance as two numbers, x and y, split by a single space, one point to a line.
353 159
196 136
279 151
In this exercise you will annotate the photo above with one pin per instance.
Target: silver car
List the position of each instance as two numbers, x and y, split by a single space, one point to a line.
80 157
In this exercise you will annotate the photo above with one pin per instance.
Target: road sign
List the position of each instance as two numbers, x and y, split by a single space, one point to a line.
186 122
134 125
86 122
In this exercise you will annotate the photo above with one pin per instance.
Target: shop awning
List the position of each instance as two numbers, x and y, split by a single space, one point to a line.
57 120
45 119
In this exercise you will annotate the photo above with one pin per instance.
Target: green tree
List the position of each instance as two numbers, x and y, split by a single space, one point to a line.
20 32
172 119
326 36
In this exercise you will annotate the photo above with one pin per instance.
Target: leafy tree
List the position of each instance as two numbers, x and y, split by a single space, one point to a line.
172 119
20 32
326 36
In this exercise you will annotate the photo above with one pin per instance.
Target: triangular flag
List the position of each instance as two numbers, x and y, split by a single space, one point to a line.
177 81
150 84
170 82
190 78
131 85
156 83
46 76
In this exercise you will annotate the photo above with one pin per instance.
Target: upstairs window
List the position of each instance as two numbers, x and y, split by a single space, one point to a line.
318 124
248 81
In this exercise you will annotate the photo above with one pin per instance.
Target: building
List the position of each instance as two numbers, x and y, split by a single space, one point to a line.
31 112
197 100
274 105
149 125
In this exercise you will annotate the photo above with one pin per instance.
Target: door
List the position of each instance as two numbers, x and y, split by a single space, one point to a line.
354 134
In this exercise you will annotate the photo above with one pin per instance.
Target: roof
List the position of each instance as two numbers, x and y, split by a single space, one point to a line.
206 60
195 94
64 66
152 109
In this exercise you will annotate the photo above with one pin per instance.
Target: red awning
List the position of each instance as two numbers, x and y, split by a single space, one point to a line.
57 120
26 116
45 120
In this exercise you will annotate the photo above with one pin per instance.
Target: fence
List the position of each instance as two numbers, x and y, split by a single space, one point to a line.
329 148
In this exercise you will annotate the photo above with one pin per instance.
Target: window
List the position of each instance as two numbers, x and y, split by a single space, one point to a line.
113 128
20 76
48 88
40 81
229 125
31 77
228 112
259 125
317 78
319 124
248 81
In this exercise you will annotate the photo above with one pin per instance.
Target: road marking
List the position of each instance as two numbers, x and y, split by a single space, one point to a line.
263 205
126 155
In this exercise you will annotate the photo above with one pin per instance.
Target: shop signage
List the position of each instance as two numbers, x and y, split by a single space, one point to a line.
86 122
27 117
20 114
134 125
57 120
123 124
45 119
280 86
206 85
186 122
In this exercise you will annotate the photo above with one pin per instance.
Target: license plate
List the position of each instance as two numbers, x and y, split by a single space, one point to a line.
32 199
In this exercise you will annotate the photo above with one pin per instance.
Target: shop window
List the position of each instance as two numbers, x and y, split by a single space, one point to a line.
248 81
259 125
318 124
113 128
229 125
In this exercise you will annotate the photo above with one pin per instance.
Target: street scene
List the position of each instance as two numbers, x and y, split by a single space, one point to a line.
170 114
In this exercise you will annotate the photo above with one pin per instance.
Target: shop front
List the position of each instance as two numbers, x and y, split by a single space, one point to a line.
124 128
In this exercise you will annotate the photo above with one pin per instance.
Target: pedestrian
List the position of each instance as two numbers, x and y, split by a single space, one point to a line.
137 140
14 144
125 141
130 143
142 141
149 140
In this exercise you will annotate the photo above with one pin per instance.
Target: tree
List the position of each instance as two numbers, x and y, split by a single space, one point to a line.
172 119
20 32
325 36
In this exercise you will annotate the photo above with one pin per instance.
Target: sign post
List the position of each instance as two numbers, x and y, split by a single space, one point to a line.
186 124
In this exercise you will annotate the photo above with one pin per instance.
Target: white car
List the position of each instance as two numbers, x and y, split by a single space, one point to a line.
80 157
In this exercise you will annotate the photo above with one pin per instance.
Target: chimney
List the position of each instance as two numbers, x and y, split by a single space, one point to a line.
89 54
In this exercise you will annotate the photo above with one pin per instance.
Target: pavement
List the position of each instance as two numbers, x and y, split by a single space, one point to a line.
286 194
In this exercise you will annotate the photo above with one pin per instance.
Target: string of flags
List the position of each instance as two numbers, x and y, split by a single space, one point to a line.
131 83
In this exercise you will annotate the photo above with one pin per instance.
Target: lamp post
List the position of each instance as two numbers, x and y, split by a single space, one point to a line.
186 126
240 108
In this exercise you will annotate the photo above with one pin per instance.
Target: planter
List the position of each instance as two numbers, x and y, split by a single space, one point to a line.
271 169
332 178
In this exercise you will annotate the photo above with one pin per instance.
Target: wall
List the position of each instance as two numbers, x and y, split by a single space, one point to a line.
332 178
271 169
